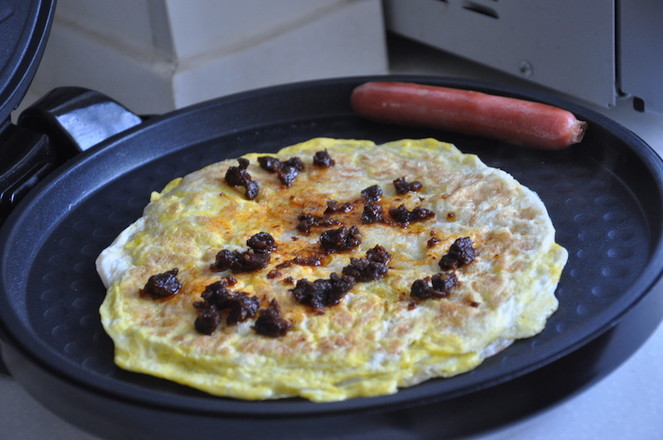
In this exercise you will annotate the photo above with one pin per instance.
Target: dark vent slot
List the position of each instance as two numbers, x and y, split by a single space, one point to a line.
480 9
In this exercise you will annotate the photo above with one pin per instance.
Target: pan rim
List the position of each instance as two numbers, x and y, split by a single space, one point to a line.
648 278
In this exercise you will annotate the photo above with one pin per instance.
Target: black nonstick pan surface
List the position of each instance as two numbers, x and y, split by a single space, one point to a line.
605 198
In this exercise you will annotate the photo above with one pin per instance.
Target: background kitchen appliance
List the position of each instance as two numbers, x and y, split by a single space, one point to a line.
597 50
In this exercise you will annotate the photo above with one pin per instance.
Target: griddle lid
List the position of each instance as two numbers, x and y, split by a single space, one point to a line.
24 27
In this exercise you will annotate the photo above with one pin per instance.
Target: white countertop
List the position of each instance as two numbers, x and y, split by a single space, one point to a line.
626 405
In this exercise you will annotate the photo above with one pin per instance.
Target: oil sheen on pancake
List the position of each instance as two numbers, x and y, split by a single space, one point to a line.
388 265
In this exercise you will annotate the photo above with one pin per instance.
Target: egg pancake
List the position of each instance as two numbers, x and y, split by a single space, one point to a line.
330 270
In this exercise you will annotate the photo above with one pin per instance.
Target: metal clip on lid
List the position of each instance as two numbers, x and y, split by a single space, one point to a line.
75 118
60 125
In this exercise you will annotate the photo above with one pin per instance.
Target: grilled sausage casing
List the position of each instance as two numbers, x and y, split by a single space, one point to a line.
516 121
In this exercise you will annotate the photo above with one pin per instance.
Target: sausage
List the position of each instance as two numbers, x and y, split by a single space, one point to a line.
516 121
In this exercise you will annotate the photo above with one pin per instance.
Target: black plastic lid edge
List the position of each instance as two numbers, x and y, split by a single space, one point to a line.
35 18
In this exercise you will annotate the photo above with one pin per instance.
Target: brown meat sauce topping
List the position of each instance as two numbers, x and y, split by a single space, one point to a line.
373 192
402 186
308 221
218 300
313 260
341 239
460 253
372 213
257 257
371 268
435 287
323 159
218 304
287 171
322 292
404 217
270 322
239 176
163 285
329 292
334 207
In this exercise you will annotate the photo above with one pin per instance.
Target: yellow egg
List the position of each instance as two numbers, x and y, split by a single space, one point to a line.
378 337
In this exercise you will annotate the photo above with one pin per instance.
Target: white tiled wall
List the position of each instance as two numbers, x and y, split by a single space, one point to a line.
158 55
344 38
232 25
127 22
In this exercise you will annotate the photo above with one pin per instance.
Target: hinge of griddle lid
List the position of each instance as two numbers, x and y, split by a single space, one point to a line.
26 157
